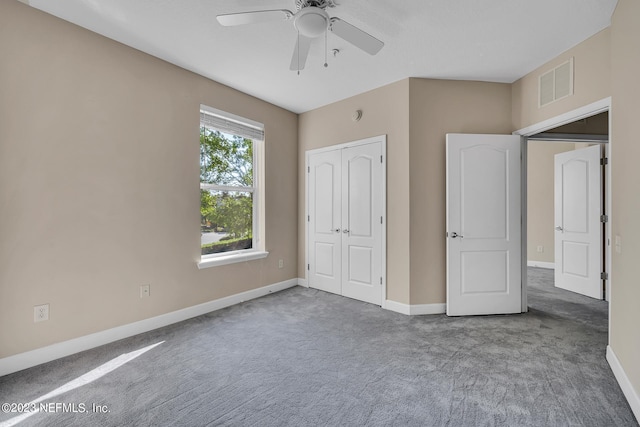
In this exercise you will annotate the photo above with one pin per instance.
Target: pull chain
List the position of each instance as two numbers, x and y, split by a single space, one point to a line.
325 50
298 49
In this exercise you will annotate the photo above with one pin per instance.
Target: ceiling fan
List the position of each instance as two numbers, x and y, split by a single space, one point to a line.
312 21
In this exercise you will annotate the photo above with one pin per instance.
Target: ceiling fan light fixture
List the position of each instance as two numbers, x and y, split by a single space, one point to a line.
311 22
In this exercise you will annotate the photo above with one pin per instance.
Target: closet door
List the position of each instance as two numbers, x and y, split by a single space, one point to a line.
345 229
325 230
362 223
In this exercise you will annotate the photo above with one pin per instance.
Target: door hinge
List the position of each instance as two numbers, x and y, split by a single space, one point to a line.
308 169
604 161
380 159
308 218
380 220
604 218
381 280
308 268
604 275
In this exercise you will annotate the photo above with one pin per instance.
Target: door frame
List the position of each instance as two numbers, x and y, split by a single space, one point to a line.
382 139
589 110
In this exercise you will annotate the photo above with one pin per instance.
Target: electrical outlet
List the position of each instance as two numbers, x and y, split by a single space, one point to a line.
40 313
540 249
280 263
145 291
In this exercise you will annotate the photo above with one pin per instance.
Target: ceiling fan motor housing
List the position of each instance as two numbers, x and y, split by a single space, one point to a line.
322 4
311 22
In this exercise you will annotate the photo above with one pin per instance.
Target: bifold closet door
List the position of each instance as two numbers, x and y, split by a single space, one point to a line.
362 223
345 222
325 217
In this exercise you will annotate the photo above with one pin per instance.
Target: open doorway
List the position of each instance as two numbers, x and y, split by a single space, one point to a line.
545 272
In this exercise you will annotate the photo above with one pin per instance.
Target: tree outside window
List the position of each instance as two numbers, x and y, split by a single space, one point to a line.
226 191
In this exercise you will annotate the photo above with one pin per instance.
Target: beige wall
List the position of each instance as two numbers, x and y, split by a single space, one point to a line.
385 112
625 152
415 114
608 64
592 81
438 107
99 181
540 188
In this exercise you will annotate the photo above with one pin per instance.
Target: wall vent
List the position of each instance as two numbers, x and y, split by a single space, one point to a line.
556 84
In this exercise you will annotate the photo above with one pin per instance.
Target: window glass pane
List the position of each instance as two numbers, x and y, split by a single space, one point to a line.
226 221
225 159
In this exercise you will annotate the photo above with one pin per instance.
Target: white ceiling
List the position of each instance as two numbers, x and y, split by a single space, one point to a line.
488 40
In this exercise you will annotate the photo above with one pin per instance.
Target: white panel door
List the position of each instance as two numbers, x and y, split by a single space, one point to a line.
483 224
362 223
578 235
346 207
325 216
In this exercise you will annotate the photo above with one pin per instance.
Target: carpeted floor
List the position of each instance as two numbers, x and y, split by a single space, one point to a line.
302 357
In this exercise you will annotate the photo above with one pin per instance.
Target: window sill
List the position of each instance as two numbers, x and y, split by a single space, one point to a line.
230 259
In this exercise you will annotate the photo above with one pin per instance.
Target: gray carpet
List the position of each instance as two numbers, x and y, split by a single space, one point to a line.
304 357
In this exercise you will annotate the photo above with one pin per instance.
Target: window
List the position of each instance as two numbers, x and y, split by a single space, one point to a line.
230 157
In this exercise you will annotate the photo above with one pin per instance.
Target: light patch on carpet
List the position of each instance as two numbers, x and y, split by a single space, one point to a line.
85 379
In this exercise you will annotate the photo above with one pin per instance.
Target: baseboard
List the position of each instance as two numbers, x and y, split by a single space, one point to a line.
415 309
302 282
541 264
420 309
32 358
398 307
625 384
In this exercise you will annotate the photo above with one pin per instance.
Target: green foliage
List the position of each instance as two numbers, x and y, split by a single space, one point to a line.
207 207
226 160
229 210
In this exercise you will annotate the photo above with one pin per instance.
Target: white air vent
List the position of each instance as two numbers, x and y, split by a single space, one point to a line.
556 84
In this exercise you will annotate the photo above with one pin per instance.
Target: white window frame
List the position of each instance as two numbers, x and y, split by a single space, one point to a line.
257 250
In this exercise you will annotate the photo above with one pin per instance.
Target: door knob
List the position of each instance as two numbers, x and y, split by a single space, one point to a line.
337 230
558 228
454 235
345 231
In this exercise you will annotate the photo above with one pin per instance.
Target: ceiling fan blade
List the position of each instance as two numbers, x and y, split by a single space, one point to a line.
255 17
355 36
300 53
